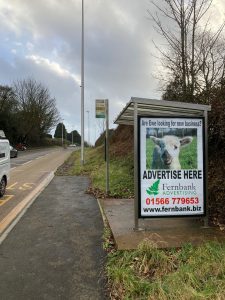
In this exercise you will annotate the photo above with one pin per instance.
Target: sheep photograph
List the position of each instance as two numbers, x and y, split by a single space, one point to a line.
171 148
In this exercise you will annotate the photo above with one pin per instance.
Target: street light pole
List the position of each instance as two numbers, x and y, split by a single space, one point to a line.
88 129
82 86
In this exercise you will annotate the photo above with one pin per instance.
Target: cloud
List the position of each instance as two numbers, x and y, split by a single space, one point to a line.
115 51
42 39
54 67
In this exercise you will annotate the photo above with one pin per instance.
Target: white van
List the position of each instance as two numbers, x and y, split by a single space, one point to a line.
4 162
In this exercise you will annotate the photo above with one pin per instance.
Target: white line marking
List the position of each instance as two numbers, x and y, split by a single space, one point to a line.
45 155
27 162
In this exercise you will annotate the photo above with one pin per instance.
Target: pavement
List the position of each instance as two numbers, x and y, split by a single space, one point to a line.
163 232
55 250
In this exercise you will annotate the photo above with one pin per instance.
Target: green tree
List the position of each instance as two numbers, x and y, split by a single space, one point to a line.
74 137
60 131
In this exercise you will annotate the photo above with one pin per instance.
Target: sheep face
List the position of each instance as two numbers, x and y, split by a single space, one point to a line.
167 151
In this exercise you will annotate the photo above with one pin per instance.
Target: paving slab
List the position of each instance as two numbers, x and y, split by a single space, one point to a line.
165 233
55 250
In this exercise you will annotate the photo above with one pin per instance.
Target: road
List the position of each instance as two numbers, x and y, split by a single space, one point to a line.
29 174
29 155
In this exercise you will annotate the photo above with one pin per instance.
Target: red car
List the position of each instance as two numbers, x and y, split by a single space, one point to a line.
21 147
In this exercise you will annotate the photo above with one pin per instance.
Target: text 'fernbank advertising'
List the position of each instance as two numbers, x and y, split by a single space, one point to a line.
171 167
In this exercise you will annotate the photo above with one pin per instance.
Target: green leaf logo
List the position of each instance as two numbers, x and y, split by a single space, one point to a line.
154 189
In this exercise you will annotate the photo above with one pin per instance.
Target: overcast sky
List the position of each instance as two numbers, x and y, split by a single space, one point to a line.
42 40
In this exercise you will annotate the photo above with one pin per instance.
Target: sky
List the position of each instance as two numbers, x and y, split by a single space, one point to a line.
42 40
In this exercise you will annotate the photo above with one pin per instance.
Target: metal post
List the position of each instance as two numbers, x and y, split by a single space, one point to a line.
107 144
136 226
88 129
82 87
206 218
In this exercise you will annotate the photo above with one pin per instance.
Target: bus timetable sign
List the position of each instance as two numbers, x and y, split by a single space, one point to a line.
100 109
171 166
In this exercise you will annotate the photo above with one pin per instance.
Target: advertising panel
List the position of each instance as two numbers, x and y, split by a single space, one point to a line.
171 166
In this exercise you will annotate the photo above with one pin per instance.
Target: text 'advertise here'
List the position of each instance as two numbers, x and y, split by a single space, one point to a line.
171 166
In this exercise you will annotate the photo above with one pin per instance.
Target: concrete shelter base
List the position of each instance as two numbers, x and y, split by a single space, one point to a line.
164 232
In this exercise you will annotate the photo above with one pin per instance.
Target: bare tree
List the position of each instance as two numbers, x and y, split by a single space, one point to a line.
37 109
211 67
194 58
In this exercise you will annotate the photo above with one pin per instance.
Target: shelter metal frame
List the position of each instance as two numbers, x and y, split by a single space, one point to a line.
142 107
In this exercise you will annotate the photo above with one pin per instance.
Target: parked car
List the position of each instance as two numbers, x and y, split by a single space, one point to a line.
21 147
13 152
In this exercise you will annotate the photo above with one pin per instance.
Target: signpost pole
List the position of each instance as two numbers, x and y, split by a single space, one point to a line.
107 144
136 227
102 111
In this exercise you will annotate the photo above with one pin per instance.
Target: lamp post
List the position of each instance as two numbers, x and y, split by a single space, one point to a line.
88 128
82 86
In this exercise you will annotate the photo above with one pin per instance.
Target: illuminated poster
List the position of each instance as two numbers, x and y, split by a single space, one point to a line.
171 166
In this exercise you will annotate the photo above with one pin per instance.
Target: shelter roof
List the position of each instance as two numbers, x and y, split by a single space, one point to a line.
152 107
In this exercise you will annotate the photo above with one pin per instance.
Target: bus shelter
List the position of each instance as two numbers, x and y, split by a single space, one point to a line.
170 158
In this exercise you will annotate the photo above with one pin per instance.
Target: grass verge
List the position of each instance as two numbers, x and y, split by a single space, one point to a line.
151 273
120 177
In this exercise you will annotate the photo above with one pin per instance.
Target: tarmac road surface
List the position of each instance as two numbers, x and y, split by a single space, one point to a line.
30 154
32 173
